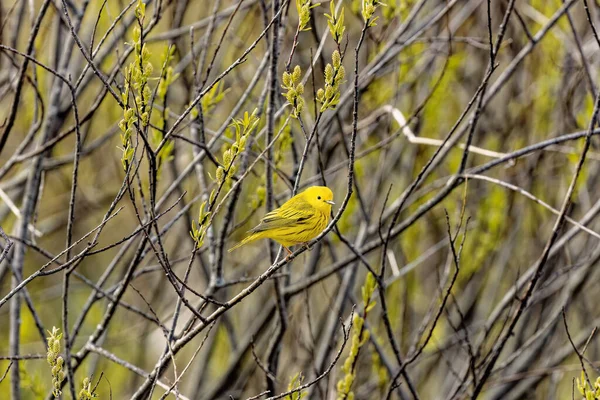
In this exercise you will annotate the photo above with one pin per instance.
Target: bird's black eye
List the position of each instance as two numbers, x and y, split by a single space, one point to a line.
318 197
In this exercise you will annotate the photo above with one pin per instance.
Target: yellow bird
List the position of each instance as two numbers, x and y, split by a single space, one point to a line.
298 220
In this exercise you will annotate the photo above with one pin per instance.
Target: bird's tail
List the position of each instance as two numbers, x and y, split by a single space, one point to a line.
246 240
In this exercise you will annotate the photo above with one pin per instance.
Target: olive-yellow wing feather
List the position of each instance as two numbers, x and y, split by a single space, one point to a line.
295 211
284 217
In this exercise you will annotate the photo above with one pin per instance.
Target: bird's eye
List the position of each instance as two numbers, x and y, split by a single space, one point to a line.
318 197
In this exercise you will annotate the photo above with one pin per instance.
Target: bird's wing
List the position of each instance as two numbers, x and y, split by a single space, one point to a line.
285 216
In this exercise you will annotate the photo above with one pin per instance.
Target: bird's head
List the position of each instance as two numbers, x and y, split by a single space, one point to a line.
320 197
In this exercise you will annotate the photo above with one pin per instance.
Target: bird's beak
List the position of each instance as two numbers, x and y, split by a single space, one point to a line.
329 202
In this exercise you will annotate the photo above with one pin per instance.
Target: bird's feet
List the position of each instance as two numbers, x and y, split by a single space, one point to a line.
289 253
307 246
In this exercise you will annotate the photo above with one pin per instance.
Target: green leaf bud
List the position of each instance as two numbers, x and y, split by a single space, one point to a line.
287 80
320 94
297 74
136 34
341 73
336 59
328 92
328 74
123 125
220 175
299 105
227 157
